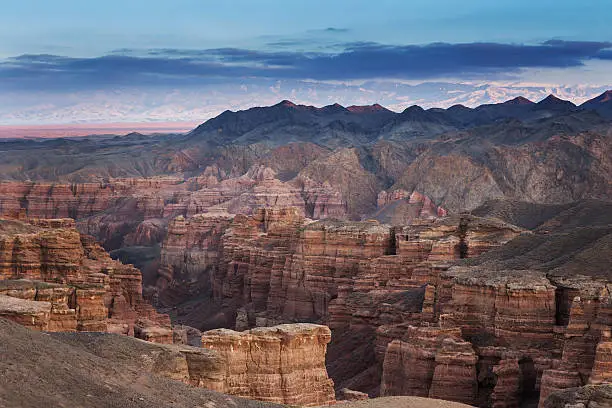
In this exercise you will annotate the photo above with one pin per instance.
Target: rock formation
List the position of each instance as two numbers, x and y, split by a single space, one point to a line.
284 364
128 212
588 396
53 278
500 337
399 207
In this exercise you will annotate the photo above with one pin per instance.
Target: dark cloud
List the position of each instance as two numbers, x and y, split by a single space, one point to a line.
336 30
358 60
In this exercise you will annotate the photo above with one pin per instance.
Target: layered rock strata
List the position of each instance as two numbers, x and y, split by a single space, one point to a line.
518 334
343 273
60 280
284 364
515 322
189 251
135 211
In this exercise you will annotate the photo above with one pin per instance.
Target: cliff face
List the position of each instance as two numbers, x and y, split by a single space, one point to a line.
514 322
399 207
129 212
281 266
53 278
354 276
189 251
113 211
284 364
484 335
431 362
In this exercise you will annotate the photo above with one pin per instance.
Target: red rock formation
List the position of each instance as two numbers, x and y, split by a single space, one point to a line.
513 307
189 250
507 388
341 272
284 364
32 314
399 207
431 362
587 330
120 212
355 276
602 367
48 261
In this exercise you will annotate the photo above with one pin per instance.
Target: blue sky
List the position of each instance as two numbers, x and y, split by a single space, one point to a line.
57 50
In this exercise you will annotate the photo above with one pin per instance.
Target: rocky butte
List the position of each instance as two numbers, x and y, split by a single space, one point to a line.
284 363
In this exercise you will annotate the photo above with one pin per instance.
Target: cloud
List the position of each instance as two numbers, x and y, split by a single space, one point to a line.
335 30
357 60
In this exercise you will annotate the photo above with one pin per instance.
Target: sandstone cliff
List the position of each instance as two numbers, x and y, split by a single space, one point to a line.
517 333
284 364
53 278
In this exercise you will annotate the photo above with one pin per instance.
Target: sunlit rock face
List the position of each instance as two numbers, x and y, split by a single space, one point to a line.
284 364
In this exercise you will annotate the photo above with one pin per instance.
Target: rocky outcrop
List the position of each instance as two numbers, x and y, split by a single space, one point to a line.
399 207
361 273
524 348
431 362
584 340
277 267
512 307
587 396
602 366
60 280
516 333
284 364
134 211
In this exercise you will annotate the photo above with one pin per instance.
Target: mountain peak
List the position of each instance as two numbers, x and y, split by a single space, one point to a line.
552 101
519 100
336 107
414 109
287 103
603 98
459 107
367 108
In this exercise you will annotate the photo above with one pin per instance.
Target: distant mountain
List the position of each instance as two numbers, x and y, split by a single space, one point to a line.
551 102
376 108
601 104
519 100
335 125
546 152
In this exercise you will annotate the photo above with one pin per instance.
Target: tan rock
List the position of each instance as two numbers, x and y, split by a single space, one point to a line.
284 364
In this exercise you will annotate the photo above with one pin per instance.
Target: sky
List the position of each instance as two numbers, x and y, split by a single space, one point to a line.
68 61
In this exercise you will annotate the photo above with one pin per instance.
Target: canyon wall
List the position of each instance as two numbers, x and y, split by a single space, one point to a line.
513 320
135 211
485 336
55 279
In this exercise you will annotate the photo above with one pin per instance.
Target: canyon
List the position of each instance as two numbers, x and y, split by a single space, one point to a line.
314 254
439 308
54 279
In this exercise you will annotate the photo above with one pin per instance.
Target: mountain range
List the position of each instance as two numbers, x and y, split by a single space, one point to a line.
551 151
